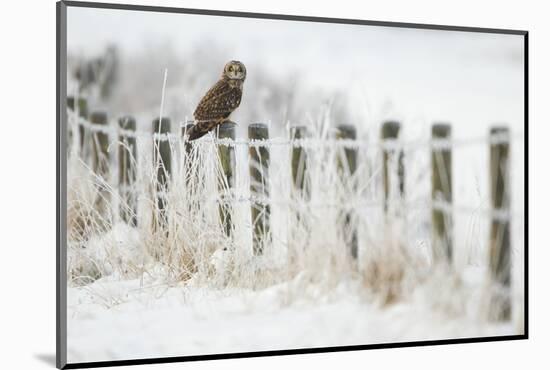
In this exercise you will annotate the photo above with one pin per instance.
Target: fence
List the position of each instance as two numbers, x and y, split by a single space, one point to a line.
93 131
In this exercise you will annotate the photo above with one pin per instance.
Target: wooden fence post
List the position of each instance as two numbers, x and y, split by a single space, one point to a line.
127 169
348 168
100 145
227 183
259 187
162 161
82 107
390 131
299 163
100 160
442 194
499 244
300 181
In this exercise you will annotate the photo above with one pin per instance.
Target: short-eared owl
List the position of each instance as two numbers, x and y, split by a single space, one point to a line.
220 101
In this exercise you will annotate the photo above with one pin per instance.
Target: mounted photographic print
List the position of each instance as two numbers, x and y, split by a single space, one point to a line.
237 184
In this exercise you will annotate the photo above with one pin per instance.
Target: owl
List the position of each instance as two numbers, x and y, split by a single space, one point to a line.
220 101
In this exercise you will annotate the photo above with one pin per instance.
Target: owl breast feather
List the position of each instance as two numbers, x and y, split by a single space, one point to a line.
219 102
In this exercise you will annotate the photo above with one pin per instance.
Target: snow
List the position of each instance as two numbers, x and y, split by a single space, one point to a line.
115 320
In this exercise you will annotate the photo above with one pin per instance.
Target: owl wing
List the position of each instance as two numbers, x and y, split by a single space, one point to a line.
218 102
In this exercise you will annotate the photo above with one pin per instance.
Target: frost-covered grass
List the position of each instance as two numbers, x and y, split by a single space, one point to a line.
150 319
186 288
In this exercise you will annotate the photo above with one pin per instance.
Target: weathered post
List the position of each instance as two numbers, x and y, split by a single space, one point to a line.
227 182
299 163
162 161
259 186
82 108
442 194
100 160
499 244
300 228
100 145
300 181
390 131
127 169
347 167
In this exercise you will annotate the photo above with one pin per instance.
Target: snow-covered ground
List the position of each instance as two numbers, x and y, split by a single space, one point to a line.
110 320
149 315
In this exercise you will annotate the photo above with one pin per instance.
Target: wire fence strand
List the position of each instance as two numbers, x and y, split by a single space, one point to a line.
387 144
311 143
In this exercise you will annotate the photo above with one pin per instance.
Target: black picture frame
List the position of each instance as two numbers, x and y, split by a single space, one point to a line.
61 191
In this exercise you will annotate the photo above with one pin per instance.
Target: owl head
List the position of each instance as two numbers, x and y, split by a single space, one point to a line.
234 70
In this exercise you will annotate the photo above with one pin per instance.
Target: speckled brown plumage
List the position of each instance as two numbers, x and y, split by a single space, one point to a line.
220 101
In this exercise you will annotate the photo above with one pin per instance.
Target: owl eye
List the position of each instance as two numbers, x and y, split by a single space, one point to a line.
230 69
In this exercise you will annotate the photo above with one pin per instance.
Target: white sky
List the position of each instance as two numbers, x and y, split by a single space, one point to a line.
436 75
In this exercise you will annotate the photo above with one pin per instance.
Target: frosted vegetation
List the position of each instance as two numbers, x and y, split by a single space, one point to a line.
184 287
